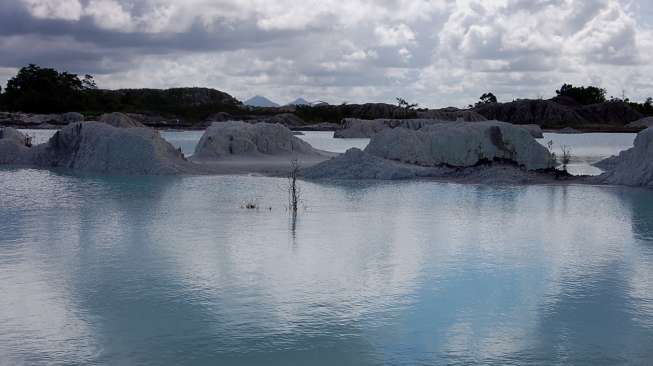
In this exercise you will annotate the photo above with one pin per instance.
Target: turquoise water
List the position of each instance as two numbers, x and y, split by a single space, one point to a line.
167 271
172 270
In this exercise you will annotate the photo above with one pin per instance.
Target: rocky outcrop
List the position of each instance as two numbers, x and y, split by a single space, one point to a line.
98 147
461 144
451 114
219 117
559 112
14 147
286 119
357 164
353 128
539 112
12 134
633 167
534 130
28 120
120 120
324 126
390 111
476 152
616 113
71 117
150 99
238 138
645 122
289 120
362 128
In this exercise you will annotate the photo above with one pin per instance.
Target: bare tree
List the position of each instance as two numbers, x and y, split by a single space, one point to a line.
554 158
294 191
566 156
402 103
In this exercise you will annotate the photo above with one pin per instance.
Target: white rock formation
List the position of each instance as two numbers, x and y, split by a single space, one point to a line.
357 164
534 130
366 128
72 117
632 167
14 147
645 122
461 144
121 120
240 139
13 134
98 147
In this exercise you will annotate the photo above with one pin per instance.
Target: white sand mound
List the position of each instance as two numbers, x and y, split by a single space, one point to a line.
645 122
632 167
366 128
14 147
121 120
98 147
461 144
9 133
240 139
357 164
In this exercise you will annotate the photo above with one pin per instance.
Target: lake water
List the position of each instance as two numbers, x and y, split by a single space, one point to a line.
171 270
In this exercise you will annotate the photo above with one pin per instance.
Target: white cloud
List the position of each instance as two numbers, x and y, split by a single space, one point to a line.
54 9
433 52
610 37
394 36
405 54
109 14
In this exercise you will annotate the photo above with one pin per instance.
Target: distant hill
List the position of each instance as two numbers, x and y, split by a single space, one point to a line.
188 103
560 112
299 101
260 101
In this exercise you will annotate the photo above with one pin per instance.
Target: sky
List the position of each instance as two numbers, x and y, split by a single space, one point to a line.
436 53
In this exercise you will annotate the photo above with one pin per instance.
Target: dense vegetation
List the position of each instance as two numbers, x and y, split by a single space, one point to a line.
44 90
645 108
40 90
583 95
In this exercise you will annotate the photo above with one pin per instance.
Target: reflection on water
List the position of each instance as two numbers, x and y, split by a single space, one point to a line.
588 148
172 271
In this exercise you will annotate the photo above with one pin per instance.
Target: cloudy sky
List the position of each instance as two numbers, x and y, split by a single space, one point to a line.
436 53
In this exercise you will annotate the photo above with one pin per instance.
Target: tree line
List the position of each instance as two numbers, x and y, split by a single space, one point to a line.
45 90
584 95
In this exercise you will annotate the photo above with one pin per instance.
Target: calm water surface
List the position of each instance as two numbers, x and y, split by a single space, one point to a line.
171 270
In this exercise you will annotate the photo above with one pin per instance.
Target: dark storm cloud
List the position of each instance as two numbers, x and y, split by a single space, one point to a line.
83 44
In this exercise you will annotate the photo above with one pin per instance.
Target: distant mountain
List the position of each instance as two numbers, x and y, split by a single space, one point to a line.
259 101
299 101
